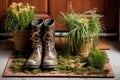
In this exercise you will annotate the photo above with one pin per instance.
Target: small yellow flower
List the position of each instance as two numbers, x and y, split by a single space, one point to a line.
71 60
25 9
84 20
72 65
20 4
32 7
27 5
21 10
15 12
13 6
14 3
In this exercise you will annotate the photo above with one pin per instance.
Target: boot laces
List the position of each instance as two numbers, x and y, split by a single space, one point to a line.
36 38
48 39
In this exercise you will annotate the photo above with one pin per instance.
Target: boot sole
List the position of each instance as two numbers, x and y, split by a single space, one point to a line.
49 66
32 66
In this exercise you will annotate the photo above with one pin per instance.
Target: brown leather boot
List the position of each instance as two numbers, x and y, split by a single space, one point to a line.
50 55
35 59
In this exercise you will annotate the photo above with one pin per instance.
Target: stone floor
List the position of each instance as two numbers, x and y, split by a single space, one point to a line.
113 54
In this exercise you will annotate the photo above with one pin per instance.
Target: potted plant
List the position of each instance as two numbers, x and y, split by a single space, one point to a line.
83 31
18 22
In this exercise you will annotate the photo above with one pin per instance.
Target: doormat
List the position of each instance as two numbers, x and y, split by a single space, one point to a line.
37 73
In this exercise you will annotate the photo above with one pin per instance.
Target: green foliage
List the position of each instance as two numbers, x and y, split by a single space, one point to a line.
19 16
69 63
97 59
81 28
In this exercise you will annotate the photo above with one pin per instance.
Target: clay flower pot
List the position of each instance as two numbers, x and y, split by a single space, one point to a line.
86 48
22 39
84 52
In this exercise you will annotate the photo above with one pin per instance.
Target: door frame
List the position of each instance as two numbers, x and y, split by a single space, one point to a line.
119 21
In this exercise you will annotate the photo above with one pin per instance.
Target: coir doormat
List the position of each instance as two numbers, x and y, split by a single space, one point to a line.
19 72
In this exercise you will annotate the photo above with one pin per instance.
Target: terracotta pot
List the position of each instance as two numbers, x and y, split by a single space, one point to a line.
86 48
60 43
22 39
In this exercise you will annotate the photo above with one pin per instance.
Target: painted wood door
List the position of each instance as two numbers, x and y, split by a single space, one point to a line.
52 8
119 21
107 8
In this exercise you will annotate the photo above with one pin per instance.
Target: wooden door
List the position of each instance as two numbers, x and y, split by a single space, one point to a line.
107 8
52 8
119 21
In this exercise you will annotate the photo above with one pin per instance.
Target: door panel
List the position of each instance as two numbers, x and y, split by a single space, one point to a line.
111 12
83 5
3 8
57 6
40 5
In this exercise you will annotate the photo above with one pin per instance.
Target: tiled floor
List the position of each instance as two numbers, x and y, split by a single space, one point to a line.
113 54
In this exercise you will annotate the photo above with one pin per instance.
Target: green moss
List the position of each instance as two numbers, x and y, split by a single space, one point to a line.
97 59
35 71
67 64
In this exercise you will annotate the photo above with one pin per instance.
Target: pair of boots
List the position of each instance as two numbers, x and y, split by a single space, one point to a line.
43 44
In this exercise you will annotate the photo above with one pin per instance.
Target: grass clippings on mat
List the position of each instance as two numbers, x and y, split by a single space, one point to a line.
67 64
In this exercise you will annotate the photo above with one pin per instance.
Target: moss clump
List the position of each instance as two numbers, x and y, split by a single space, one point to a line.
97 59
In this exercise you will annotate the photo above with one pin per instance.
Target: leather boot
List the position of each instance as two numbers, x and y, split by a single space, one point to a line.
35 59
50 55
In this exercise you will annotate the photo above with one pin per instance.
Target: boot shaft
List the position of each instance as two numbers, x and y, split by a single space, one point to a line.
36 37
49 32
